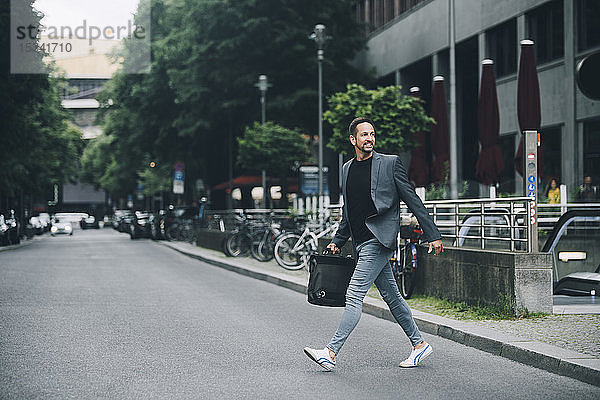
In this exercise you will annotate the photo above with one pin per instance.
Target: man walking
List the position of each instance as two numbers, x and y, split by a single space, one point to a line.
373 185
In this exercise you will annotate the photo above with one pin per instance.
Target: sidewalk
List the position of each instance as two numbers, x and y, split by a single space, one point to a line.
544 343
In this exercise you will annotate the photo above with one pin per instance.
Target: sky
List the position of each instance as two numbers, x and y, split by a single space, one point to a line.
95 12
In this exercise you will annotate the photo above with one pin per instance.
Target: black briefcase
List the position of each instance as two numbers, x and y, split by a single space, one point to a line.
328 280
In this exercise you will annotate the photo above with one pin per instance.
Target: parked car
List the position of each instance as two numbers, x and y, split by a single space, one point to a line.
121 220
45 220
89 222
72 217
139 225
61 227
34 226
126 222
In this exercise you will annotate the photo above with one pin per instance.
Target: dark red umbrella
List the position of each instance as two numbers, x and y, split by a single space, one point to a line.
440 140
490 163
418 170
528 102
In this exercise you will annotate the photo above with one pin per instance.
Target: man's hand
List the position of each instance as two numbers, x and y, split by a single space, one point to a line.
333 248
437 246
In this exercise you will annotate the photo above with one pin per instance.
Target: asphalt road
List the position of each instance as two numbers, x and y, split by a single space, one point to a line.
97 315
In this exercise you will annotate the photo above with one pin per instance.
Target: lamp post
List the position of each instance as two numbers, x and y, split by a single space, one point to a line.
263 85
320 38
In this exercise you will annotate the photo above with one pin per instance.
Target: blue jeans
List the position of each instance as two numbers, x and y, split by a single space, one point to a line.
373 267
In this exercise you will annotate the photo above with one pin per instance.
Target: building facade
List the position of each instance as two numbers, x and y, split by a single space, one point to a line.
411 41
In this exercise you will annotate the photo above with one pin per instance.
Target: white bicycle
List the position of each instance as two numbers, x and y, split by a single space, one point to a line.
292 251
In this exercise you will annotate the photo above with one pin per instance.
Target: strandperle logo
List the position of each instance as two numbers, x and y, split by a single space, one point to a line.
83 31
31 42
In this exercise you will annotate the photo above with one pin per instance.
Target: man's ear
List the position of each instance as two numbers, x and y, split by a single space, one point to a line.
353 140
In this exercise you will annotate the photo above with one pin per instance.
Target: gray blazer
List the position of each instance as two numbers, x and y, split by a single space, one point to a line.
389 186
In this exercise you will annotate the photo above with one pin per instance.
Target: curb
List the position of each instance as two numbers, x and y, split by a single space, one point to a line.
582 367
23 243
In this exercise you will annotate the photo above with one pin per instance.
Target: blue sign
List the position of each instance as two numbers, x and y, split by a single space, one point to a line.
309 180
531 187
531 194
178 176
531 179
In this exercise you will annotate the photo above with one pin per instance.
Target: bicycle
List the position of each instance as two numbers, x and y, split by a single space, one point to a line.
263 243
240 242
263 246
404 261
292 251
181 231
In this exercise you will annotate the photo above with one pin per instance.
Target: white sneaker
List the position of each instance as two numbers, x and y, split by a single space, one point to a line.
416 356
321 357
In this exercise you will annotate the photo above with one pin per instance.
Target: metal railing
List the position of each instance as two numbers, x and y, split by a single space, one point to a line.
548 214
501 223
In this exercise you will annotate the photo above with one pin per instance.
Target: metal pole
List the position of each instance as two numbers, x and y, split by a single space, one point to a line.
320 62
263 85
263 100
453 130
263 172
320 38
530 182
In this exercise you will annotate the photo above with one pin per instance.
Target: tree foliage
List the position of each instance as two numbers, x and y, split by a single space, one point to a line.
272 148
199 94
395 116
39 146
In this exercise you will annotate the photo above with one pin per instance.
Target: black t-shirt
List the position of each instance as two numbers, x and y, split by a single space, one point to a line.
359 201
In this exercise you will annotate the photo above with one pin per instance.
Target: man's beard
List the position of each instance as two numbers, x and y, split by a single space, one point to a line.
365 150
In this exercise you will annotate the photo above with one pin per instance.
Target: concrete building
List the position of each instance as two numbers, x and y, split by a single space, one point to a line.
411 41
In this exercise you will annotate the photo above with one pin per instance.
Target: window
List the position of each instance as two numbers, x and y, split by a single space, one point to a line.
371 20
507 177
546 29
591 150
388 11
502 47
551 143
588 32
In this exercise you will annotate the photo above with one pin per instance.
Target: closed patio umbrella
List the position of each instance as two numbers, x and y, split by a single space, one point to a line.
418 170
528 102
490 163
440 140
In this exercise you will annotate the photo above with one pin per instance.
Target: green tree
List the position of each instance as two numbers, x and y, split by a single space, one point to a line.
39 145
395 116
199 93
272 148
156 179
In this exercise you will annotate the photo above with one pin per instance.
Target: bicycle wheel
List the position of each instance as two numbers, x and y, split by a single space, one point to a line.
266 247
171 233
238 244
256 241
187 233
407 271
288 259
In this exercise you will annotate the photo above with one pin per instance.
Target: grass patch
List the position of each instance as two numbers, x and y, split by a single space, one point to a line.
461 310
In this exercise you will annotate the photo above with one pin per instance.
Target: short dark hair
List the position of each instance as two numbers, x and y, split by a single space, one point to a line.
355 122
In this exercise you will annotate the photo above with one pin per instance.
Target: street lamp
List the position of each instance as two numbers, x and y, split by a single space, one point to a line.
320 38
263 85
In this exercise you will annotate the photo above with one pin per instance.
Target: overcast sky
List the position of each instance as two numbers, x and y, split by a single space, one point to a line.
95 12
